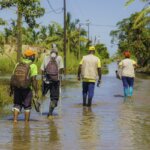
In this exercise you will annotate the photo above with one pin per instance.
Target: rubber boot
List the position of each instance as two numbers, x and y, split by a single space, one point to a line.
84 101
50 113
125 92
51 108
89 102
27 116
130 91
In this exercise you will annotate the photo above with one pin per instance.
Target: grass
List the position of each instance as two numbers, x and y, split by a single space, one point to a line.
4 93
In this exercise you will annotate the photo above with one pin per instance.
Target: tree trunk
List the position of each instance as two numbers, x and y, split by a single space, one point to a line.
19 33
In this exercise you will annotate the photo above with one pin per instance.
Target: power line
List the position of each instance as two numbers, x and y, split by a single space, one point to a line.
48 12
53 10
99 25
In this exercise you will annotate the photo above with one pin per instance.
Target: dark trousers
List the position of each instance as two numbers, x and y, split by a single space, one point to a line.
88 92
54 90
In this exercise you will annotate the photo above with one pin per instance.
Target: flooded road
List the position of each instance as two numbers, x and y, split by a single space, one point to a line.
111 124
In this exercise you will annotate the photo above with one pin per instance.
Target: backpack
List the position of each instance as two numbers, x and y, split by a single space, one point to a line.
20 77
52 70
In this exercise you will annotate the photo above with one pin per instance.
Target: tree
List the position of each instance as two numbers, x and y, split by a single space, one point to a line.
135 40
102 51
143 16
27 10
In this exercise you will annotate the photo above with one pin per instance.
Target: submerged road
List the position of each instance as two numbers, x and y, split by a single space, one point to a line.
111 124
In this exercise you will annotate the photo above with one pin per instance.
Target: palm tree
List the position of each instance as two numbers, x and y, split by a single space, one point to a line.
27 10
143 16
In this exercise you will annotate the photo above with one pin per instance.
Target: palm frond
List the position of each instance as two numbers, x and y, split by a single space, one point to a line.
129 2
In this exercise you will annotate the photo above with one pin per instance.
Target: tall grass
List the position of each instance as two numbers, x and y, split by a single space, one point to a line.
7 63
4 93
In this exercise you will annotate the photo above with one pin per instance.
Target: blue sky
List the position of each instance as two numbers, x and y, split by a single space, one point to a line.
105 13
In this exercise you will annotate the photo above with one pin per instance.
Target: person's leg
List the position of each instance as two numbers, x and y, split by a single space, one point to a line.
84 92
125 86
27 115
54 96
27 100
90 93
17 104
130 82
16 113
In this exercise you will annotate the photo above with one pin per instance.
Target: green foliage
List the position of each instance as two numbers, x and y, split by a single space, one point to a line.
102 51
143 16
7 64
134 40
4 93
2 22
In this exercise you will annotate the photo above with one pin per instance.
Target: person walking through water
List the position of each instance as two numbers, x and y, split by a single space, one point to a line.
23 80
52 70
127 66
89 68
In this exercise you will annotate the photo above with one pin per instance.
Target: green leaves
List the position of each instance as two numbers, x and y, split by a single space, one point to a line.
129 2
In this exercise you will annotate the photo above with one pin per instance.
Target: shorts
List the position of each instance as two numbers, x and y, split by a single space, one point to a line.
22 98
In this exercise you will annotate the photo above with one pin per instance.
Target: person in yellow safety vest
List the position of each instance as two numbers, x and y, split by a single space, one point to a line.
89 68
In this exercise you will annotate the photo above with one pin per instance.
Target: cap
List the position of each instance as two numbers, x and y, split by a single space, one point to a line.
29 52
54 50
91 48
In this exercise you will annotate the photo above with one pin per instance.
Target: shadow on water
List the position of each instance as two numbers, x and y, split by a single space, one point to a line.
111 124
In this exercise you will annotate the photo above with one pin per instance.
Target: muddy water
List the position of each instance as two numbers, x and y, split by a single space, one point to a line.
111 124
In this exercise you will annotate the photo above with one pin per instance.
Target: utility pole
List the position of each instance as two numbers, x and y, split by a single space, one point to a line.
64 36
79 41
88 25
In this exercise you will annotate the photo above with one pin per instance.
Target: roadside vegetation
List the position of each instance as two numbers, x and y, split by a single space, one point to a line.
133 34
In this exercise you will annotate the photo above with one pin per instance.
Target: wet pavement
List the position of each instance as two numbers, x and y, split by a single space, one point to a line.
111 124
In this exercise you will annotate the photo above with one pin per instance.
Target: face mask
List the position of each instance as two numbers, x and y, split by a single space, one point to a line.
53 55
32 58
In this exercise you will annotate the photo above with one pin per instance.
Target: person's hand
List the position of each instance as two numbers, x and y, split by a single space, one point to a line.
79 78
98 83
10 91
36 96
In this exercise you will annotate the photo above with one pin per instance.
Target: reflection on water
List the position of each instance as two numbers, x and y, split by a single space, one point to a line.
21 136
112 124
88 130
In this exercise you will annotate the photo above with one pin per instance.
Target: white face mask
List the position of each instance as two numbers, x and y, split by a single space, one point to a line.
53 55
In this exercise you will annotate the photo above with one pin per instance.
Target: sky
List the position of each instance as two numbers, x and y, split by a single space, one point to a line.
102 15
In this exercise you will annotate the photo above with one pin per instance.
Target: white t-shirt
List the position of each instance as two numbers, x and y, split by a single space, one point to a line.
127 66
47 59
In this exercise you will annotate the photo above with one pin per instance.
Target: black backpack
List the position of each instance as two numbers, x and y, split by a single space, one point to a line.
21 76
52 70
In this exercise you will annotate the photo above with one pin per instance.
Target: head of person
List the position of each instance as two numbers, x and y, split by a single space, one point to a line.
91 50
127 54
53 53
29 54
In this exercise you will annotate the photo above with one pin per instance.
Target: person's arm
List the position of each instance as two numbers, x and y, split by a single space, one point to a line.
35 85
135 64
79 72
61 67
79 69
43 69
99 74
34 73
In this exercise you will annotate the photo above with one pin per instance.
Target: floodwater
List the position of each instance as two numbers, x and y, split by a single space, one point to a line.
111 124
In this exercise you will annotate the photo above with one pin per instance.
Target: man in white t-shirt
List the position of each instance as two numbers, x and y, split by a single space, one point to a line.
127 66
52 69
